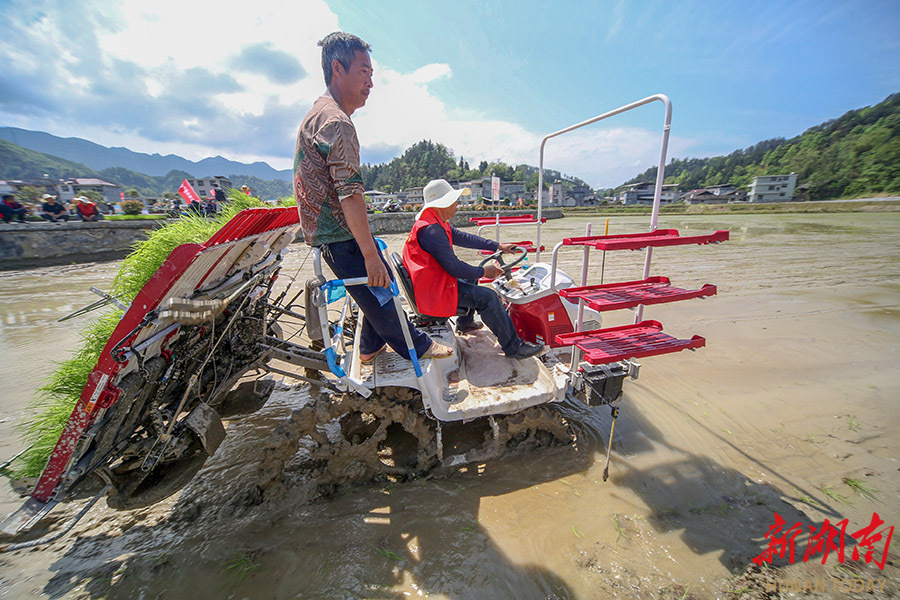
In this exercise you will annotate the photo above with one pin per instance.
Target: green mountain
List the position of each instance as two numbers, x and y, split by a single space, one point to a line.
855 155
17 162
100 157
20 163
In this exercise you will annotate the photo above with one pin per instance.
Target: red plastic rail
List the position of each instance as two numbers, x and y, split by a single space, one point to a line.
636 241
253 221
628 294
527 245
506 220
604 346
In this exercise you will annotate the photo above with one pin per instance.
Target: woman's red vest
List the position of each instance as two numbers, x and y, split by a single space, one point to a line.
435 288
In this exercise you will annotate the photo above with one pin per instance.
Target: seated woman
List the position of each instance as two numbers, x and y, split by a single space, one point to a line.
442 283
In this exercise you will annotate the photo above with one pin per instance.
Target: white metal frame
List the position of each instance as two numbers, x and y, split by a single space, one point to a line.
654 215
660 173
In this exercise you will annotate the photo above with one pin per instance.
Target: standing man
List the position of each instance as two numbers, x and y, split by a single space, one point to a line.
329 193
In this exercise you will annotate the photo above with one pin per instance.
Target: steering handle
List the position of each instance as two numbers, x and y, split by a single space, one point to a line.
498 256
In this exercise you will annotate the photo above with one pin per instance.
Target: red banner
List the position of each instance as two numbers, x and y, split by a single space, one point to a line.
187 192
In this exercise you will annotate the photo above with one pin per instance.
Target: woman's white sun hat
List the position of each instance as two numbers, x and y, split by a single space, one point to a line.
440 194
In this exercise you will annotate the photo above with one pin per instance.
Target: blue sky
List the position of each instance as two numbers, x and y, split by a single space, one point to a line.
488 79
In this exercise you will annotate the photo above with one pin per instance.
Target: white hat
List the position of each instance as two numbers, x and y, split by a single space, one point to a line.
82 199
48 196
440 194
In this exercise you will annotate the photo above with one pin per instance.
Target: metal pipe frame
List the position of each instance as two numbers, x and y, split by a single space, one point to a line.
499 225
660 174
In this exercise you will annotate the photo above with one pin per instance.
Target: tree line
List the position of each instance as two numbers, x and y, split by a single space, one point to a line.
854 155
427 160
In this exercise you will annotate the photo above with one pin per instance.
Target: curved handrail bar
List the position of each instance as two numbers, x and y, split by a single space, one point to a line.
660 173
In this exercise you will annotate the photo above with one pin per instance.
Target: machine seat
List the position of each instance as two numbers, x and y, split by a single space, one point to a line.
407 286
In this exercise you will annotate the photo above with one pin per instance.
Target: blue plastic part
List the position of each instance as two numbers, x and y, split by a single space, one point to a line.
382 245
415 362
334 290
394 289
331 357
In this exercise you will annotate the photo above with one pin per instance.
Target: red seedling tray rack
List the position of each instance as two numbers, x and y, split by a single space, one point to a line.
604 346
628 294
506 220
636 241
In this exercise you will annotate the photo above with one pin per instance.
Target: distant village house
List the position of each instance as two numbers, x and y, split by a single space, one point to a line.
772 188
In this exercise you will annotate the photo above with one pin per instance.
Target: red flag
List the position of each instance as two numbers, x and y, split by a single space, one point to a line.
121 195
187 192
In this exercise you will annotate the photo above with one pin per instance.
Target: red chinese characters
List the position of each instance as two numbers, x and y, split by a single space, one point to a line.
827 539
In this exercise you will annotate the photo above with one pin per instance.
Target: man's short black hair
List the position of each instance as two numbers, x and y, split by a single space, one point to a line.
342 47
8 197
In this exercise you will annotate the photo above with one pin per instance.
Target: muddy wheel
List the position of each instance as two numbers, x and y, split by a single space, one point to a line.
136 488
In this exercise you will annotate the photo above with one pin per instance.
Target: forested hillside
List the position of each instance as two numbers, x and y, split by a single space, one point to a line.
20 163
427 160
852 156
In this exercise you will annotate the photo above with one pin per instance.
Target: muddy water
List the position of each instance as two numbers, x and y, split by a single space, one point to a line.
795 391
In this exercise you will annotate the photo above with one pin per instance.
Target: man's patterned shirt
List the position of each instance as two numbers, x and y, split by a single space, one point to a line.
326 170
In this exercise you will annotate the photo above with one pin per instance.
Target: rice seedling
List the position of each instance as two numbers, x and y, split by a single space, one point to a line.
835 496
236 568
57 396
852 423
806 499
860 488
619 531
577 533
574 489
845 571
388 554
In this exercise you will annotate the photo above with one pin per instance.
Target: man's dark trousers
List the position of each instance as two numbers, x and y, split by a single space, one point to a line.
381 325
8 213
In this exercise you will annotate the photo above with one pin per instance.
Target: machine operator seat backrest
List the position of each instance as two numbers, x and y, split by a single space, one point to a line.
405 281
407 285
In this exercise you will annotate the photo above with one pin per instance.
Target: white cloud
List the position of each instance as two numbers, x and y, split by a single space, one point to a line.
402 111
159 77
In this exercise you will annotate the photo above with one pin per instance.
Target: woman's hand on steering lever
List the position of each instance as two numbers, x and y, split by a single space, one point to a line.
492 271
507 248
